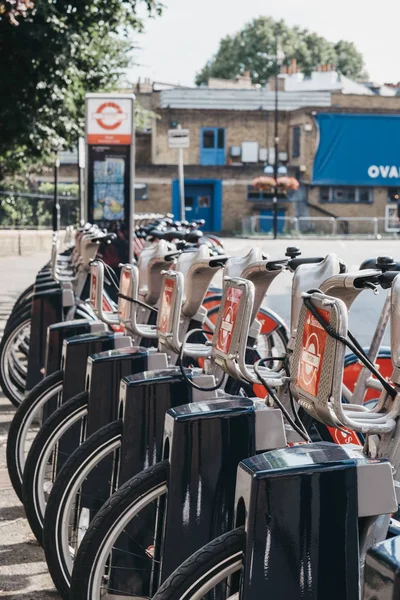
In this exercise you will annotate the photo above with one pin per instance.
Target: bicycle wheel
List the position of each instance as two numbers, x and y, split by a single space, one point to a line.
214 568
63 527
119 553
12 349
42 461
26 424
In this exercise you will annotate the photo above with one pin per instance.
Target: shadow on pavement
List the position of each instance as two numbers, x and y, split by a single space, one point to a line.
15 554
13 583
9 513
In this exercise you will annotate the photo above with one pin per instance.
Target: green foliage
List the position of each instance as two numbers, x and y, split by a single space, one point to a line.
60 50
68 190
253 49
25 204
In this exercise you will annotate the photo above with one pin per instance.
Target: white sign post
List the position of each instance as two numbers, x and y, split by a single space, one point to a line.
81 174
180 138
109 123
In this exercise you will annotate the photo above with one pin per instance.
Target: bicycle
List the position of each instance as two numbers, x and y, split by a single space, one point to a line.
167 481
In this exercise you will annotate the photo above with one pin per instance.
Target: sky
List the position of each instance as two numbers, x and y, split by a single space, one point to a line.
176 45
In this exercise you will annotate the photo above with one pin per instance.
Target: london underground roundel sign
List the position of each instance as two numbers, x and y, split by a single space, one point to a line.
109 120
109 116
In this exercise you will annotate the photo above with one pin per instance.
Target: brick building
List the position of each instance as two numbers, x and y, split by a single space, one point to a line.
339 138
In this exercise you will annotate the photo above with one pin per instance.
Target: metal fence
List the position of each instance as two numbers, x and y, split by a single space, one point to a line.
34 211
299 227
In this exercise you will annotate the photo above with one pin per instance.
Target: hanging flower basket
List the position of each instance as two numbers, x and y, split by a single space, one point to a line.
263 184
268 184
288 183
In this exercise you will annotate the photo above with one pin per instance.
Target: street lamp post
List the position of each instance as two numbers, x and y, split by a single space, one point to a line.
56 206
276 142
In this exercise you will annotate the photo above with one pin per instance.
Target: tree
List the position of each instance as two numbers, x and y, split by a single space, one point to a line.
59 51
253 49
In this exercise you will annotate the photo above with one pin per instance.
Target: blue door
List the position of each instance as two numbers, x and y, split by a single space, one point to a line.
212 146
203 200
266 225
198 203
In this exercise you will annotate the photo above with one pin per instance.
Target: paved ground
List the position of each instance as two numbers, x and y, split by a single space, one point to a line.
23 573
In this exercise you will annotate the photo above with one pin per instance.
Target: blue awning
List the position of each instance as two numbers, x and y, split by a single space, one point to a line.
359 150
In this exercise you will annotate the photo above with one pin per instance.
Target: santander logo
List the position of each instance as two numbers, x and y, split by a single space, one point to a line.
384 171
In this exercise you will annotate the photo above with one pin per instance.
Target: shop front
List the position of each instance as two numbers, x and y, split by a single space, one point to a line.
357 164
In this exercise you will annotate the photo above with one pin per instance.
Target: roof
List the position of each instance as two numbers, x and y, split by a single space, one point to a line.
258 99
324 81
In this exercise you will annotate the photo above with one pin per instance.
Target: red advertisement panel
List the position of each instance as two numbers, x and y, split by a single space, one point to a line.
229 317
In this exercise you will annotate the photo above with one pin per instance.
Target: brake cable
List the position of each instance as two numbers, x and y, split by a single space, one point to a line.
139 302
352 344
300 429
182 368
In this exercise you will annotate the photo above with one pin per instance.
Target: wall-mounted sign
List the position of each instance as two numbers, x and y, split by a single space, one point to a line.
359 150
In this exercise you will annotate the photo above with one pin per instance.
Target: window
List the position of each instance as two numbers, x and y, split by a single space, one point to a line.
296 131
204 201
346 195
257 196
393 194
208 138
188 203
221 138
212 146
141 192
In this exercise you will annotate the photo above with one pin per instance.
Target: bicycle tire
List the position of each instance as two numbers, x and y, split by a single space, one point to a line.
10 389
115 513
35 400
207 567
71 476
40 452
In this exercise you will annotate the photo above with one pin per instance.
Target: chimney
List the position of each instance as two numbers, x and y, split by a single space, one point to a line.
293 66
284 69
281 84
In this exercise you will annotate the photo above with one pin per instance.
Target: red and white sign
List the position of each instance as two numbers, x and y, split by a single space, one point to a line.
344 437
166 305
93 289
124 306
312 354
230 311
109 120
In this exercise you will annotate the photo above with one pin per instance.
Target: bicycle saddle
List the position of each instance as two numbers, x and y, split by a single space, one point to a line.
236 265
151 262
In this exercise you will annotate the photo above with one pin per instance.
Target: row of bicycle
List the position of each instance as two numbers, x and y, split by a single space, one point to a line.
176 440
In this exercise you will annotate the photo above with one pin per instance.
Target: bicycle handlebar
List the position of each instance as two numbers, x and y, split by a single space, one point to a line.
296 262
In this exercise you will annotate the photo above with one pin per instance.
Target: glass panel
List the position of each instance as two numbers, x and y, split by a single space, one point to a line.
208 138
338 194
204 201
363 195
221 138
188 203
296 142
350 194
393 194
324 194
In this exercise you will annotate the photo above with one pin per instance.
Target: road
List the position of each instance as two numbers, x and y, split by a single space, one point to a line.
23 573
367 306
